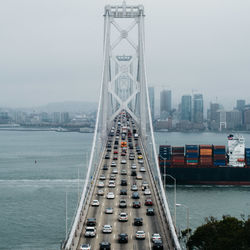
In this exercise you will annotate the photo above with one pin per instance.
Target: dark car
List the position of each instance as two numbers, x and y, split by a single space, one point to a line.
158 244
123 238
123 204
124 182
135 195
136 204
105 167
91 222
105 245
150 211
138 221
107 156
115 147
133 173
109 150
123 192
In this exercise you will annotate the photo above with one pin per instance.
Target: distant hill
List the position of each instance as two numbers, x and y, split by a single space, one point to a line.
69 106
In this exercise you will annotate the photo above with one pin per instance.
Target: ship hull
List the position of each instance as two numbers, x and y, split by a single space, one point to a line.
199 175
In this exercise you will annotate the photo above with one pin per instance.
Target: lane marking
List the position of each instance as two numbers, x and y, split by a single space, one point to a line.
149 242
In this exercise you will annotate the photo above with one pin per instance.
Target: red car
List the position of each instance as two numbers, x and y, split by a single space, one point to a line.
115 158
115 152
148 202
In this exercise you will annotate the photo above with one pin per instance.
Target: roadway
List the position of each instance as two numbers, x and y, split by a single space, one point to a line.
151 224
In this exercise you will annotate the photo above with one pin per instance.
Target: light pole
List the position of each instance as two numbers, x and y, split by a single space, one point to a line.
174 197
164 173
187 209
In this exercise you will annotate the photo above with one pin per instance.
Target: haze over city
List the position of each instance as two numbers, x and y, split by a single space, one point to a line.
50 53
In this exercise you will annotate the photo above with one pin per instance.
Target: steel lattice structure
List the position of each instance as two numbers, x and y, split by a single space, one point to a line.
123 87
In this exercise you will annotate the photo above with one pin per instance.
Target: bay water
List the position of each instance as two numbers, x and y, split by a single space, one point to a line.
39 169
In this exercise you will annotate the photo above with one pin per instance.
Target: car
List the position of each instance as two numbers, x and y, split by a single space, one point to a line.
123 217
95 203
113 164
91 222
110 195
115 147
124 182
124 172
148 202
136 204
144 185
116 152
147 191
105 167
123 154
140 161
85 247
105 245
111 184
155 236
123 192
157 245
139 177
109 210
140 157
112 177
107 156
133 166
115 171
138 221
134 187
131 157
100 192
123 161
115 158
142 169
135 195
122 204
123 238
107 229
90 232
133 173
102 177
150 212
140 235
109 149
100 184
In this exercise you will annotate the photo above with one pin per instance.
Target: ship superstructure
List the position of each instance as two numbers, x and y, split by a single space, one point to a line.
236 150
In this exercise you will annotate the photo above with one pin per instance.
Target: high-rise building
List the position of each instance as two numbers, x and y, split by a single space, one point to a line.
240 105
214 107
151 92
165 103
198 108
234 119
186 108
64 117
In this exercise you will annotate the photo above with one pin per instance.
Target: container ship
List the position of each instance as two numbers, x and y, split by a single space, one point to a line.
207 164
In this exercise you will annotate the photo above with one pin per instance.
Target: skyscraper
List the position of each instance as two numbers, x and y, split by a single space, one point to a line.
165 103
214 107
198 108
151 92
240 105
186 108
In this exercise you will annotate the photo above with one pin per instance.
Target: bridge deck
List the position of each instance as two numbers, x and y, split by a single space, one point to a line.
151 224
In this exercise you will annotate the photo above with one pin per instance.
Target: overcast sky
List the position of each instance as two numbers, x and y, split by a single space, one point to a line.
51 50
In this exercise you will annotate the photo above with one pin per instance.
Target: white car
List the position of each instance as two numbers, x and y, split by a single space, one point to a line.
110 195
139 177
134 188
155 236
115 171
147 192
140 161
90 232
100 184
140 235
123 161
107 229
109 210
123 217
142 169
102 177
95 203
111 184
133 166
113 164
85 247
